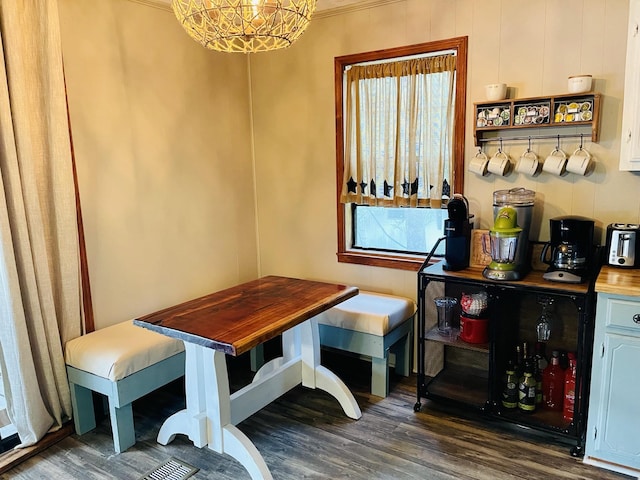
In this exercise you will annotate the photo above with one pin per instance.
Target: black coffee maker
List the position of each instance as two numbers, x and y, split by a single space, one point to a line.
570 253
457 234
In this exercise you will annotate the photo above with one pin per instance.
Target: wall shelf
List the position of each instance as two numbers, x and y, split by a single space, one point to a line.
519 116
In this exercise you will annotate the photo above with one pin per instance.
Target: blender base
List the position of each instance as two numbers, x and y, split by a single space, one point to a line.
508 275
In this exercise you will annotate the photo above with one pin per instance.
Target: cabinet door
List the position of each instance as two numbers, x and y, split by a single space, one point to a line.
616 429
630 142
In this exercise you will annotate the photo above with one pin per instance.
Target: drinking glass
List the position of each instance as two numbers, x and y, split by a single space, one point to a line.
444 306
543 328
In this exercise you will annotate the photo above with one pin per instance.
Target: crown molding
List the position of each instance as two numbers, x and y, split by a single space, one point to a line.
354 7
320 13
162 5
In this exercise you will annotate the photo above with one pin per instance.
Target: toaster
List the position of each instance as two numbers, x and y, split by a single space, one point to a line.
623 245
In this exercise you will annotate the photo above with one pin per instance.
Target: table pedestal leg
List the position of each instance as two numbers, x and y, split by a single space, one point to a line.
328 381
303 342
207 418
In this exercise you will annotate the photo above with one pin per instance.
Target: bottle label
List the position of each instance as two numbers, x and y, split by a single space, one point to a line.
527 394
510 395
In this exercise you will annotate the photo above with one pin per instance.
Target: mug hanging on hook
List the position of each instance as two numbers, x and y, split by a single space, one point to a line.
500 163
580 161
479 163
556 162
528 162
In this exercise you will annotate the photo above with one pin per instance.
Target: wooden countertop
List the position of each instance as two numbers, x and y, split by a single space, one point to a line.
239 318
533 279
618 281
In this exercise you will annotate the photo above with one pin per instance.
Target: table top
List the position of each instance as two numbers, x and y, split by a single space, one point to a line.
239 318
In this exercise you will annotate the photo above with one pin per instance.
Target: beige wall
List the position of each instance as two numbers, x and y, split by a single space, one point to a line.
162 135
162 144
532 46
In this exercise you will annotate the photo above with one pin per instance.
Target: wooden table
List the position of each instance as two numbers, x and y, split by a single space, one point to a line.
232 322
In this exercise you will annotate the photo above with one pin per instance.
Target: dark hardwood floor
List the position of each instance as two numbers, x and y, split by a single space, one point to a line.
305 434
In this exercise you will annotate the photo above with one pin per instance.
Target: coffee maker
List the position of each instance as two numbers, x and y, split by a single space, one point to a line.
457 234
570 252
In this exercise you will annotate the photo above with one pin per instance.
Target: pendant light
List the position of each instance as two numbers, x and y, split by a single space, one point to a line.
244 25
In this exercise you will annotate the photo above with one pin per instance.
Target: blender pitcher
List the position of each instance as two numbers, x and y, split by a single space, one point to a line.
503 239
444 307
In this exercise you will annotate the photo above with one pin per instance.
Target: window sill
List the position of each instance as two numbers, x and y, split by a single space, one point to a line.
374 259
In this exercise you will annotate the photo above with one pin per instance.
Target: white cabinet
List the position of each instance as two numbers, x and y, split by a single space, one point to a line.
630 142
613 431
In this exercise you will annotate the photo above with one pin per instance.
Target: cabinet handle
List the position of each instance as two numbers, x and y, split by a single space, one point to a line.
602 350
636 318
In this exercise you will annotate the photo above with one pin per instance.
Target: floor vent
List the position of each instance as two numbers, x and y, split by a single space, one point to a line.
172 469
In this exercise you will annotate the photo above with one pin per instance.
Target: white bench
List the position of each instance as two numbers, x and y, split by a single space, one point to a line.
123 362
372 324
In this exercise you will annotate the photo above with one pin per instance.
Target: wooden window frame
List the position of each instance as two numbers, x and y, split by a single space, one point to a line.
460 45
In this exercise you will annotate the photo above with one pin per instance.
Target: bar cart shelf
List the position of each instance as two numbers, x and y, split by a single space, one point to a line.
471 376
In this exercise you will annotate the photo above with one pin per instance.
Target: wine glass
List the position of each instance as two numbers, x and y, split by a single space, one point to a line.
543 328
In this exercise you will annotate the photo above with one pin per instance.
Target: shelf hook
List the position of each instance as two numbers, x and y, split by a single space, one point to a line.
558 144
581 135
500 147
529 147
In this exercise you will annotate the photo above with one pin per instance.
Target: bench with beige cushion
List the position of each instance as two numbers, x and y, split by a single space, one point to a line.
373 325
123 362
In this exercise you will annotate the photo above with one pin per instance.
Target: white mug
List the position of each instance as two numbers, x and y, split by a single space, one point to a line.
579 162
499 163
528 163
556 162
479 164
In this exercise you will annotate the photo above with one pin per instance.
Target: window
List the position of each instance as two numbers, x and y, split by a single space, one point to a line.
400 149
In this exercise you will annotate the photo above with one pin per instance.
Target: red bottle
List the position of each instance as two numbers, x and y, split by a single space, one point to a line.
553 384
569 389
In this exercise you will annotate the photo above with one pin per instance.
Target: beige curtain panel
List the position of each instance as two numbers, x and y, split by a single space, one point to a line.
398 131
39 268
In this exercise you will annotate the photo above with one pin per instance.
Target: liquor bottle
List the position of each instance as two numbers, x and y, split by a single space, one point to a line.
527 389
564 360
540 363
553 384
569 389
510 392
525 351
519 361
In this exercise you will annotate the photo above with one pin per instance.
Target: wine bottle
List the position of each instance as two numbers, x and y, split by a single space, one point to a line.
540 363
510 391
527 389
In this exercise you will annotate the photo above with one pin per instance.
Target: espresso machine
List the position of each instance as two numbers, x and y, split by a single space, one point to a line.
570 252
457 234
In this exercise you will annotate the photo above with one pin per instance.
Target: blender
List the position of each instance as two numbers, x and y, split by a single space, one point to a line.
504 240
522 200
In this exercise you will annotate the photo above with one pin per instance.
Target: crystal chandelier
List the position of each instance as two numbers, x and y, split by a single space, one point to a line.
244 25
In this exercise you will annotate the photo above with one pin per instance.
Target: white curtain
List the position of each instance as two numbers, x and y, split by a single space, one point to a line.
40 304
398 131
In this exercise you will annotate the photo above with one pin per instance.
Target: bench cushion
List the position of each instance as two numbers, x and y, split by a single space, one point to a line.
119 350
369 312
